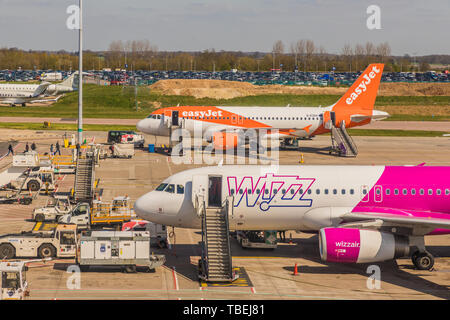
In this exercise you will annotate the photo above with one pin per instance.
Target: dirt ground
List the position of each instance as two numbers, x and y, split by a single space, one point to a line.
221 89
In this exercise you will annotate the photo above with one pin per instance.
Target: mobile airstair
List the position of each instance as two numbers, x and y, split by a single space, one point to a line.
215 264
342 143
84 178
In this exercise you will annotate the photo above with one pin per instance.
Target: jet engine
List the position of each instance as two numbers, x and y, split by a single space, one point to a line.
360 245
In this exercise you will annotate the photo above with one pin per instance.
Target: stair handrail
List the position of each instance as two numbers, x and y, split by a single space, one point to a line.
204 241
230 260
348 138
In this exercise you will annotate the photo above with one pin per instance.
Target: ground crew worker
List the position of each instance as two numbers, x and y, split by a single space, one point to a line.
10 150
57 148
33 146
27 147
51 149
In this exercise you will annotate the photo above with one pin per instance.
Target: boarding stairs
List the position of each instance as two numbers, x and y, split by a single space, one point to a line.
216 262
84 179
341 141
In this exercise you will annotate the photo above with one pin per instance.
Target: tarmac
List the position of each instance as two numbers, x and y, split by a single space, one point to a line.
263 274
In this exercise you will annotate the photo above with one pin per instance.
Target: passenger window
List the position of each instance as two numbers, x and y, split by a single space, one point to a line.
180 189
388 192
232 191
326 191
378 191
283 191
430 192
249 191
309 191
396 191
405 192
352 191
447 192
241 191
422 192
266 191
171 188
292 191
343 191
438 192
334 191
275 191
258 191
413 192
317 191
301 191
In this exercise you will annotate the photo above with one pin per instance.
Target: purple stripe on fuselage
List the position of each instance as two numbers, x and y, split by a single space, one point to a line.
418 206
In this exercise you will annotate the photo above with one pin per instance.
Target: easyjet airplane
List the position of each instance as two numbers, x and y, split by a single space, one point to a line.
354 108
363 214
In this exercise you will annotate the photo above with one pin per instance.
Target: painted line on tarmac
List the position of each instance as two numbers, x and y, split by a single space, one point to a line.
175 279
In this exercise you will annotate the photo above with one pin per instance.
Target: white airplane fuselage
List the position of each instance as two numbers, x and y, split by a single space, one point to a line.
305 198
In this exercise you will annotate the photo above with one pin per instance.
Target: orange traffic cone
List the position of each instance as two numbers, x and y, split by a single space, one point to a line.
295 270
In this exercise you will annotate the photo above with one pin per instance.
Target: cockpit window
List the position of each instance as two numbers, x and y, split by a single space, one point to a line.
161 187
158 116
180 189
171 188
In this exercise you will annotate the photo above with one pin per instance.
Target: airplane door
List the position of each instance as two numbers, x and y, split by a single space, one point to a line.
333 118
327 120
167 118
199 191
215 191
175 118
378 193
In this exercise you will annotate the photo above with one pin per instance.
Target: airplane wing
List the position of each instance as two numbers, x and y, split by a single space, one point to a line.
47 100
40 90
407 221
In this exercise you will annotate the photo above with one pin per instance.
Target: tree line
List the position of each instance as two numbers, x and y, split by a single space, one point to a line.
302 55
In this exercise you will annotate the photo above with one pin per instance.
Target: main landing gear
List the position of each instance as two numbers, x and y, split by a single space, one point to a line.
422 260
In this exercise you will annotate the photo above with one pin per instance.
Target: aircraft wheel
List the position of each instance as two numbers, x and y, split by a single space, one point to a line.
423 260
7 251
39 218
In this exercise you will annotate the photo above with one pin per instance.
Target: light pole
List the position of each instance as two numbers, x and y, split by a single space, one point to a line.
80 77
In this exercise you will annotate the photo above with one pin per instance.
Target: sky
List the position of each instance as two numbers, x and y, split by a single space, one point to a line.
413 27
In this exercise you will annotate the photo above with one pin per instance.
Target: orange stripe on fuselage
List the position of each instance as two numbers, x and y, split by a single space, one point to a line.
213 115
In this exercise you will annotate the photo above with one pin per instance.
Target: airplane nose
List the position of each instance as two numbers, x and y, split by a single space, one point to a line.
141 125
143 206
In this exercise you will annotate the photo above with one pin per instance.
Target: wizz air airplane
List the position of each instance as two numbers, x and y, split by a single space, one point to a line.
15 94
363 214
354 108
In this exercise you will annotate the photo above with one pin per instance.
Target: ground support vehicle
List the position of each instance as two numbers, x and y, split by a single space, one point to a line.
59 243
56 207
127 249
102 214
257 239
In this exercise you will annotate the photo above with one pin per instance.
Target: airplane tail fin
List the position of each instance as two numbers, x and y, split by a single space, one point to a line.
360 98
70 81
